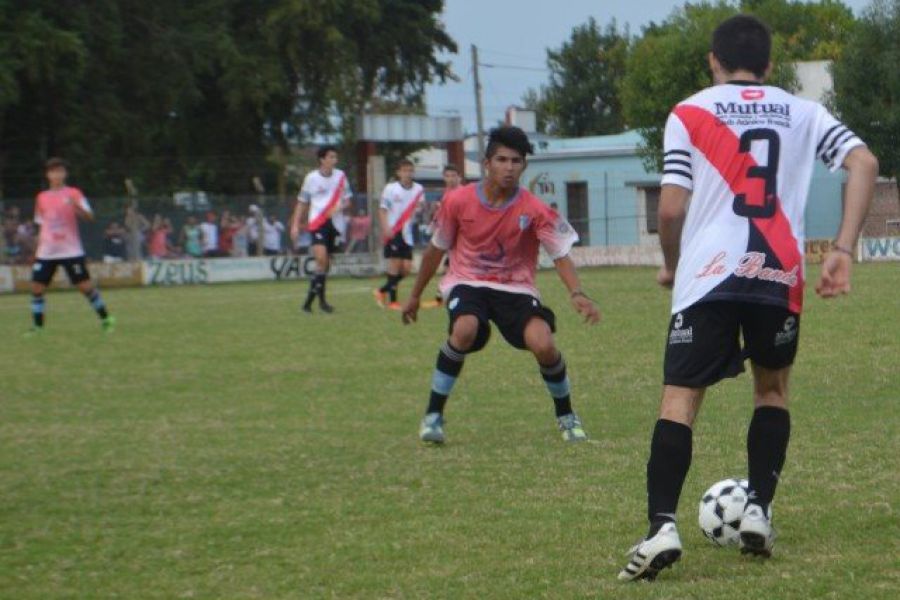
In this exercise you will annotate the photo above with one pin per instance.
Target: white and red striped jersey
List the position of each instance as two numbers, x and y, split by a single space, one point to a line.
326 196
400 204
747 153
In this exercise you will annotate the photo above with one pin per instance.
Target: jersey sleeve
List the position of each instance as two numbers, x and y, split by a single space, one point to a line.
834 140
385 198
446 224
305 195
678 167
82 201
37 210
555 234
348 191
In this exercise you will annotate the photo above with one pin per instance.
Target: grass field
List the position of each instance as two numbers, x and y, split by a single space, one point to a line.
222 445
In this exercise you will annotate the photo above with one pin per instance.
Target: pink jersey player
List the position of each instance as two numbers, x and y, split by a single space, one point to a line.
498 247
493 231
55 212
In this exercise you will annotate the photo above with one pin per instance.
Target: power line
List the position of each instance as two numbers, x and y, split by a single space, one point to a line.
513 67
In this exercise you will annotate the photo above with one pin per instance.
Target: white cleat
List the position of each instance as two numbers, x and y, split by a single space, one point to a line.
653 555
432 429
757 534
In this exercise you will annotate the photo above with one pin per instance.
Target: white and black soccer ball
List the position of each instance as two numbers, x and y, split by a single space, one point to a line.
721 509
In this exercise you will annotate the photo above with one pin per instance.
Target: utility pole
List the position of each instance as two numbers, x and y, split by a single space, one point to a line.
478 110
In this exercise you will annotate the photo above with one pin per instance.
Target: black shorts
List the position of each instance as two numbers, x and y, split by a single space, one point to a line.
326 235
510 313
398 248
703 345
44 269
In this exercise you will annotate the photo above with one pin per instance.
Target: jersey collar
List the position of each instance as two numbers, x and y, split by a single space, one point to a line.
745 82
479 189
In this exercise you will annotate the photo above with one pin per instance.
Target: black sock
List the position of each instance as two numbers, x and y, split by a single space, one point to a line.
449 364
322 279
37 309
393 290
313 291
387 284
97 303
558 385
670 459
767 442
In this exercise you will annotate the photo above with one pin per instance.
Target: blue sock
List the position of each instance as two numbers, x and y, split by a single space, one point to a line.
557 382
97 303
449 364
37 310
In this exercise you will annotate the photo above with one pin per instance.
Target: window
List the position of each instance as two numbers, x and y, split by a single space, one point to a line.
577 211
651 208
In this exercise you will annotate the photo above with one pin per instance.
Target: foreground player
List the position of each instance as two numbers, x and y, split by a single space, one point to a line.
399 202
57 211
746 150
493 230
452 180
325 192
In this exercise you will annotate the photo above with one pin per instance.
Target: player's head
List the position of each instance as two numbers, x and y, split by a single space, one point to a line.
405 171
452 178
328 157
505 157
56 169
741 43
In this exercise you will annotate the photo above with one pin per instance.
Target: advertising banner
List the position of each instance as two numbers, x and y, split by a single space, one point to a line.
880 249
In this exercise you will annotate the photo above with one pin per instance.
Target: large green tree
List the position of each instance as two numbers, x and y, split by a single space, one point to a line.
197 94
867 83
581 98
669 62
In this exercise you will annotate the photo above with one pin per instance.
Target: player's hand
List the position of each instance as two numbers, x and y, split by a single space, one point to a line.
410 311
665 277
835 278
585 307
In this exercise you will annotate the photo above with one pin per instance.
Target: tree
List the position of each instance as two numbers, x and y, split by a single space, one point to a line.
581 98
197 94
669 62
867 83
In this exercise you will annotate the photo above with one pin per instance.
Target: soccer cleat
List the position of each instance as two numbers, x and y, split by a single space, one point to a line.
395 306
307 308
432 303
652 555
432 429
326 308
572 430
757 534
108 324
379 297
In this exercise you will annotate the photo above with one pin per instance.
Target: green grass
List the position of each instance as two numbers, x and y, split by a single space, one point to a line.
222 445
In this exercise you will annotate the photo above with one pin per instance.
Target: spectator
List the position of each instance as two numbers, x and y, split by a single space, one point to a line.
360 225
136 225
27 240
191 238
227 227
239 241
253 230
210 237
12 250
273 230
554 206
113 243
160 231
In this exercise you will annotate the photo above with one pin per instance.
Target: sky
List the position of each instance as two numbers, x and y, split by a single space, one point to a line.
516 33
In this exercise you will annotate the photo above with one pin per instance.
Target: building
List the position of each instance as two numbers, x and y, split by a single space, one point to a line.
601 186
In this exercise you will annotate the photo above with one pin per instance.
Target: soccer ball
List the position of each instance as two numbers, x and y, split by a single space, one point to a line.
721 509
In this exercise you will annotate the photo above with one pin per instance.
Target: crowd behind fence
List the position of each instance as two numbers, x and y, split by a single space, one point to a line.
195 225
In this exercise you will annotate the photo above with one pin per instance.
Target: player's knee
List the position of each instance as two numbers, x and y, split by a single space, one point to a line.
469 334
544 350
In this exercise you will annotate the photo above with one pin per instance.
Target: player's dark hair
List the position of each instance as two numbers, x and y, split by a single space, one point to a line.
509 137
404 162
451 168
743 42
55 163
323 151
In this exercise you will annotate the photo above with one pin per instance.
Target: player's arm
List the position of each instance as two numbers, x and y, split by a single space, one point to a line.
82 208
862 169
298 219
565 268
673 201
431 260
383 222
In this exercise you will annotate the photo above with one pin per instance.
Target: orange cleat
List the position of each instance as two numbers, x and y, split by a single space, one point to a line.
379 297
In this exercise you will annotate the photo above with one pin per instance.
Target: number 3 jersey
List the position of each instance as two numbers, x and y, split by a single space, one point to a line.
747 152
